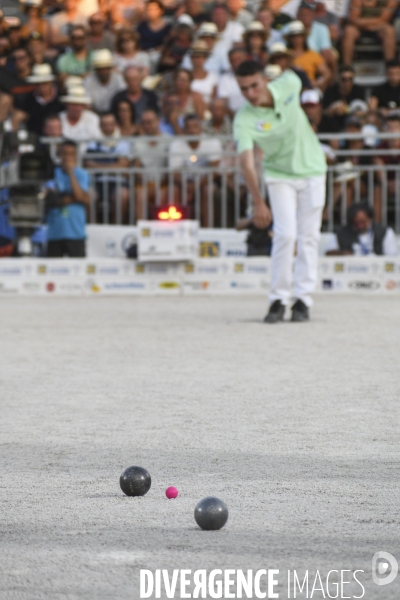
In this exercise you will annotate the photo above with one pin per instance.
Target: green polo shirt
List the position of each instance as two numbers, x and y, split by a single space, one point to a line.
69 64
290 147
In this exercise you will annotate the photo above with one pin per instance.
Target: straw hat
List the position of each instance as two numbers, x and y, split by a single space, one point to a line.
102 58
31 2
76 95
73 81
279 48
199 47
255 26
41 74
207 29
186 20
294 28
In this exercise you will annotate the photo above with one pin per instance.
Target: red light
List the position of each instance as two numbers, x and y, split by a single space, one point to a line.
170 214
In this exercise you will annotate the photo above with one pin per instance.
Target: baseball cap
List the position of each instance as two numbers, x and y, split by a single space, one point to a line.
310 97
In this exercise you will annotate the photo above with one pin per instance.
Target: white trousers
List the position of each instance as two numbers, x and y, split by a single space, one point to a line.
297 206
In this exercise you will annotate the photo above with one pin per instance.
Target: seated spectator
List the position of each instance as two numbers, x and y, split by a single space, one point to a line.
388 176
312 106
44 100
330 19
386 97
318 36
111 188
139 98
125 116
195 10
311 62
283 57
98 36
370 18
170 111
338 97
125 13
38 51
77 122
62 22
128 54
203 82
176 46
254 39
238 12
189 157
266 16
189 102
228 88
154 29
16 83
217 60
229 31
219 123
66 223
34 11
103 83
362 236
76 60
151 155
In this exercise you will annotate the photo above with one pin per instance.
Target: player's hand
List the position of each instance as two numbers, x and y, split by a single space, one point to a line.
261 216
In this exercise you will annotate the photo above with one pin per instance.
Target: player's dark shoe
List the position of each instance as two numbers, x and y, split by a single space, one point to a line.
300 312
275 313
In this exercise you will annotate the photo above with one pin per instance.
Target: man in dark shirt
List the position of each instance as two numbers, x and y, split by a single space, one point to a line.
139 99
337 99
44 100
16 84
386 97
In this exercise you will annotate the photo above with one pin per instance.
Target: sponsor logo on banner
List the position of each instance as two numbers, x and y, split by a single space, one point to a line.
239 268
8 289
389 267
159 268
91 269
6 271
236 252
189 268
129 240
139 268
197 285
339 267
209 249
32 286
168 285
391 285
42 269
93 287
124 285
145 232
262 269
108 270
210 269
243 285
364 285
327 284
69 288
332 284
357 268
50 286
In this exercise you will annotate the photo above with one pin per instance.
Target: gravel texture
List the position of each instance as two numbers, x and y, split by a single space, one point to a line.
294 426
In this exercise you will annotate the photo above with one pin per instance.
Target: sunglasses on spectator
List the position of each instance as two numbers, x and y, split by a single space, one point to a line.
95 22
77 37
347 78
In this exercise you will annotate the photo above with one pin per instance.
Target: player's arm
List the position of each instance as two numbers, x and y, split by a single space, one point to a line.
261 213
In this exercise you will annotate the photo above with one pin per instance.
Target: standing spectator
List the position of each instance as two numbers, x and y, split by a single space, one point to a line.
217 60
98 36
44 100
219 123
338 97
77 122
266 17
386 97
189 102
371 18
203 82
103 82
255 38
128 52
311 62
229 31
61 23
228 88
152 155
139 98
111 188
125 116
154 29
75 61
363 236
34 11
238 12
66 224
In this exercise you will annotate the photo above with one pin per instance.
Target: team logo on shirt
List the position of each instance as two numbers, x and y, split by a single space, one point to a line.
263 126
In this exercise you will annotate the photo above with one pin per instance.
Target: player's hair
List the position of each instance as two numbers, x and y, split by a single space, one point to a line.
69 144
359 207
248 67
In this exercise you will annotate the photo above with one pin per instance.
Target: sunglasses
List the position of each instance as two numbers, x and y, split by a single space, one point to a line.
346 78
77 38
95 22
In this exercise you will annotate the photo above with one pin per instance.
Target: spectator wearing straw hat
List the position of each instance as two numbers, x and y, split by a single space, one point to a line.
204 82
103 82
217 60
44 100
229 31
254 39
77 122
311 62
282 56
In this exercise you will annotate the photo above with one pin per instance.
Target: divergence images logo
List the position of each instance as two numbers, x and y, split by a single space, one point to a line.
384 568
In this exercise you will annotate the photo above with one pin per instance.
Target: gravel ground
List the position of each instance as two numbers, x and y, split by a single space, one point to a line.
295 426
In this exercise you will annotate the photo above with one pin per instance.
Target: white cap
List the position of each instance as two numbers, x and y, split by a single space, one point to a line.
310 97
41 74
76 95
294 28
279 48
102 58
255 26
207 29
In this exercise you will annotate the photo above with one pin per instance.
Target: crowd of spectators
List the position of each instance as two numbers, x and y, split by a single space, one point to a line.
98 71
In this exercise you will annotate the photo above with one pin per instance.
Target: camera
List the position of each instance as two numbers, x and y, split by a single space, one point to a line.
25 168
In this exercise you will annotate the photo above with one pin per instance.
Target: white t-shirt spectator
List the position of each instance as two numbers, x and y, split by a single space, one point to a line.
141 59
229 89
233 32
205 86
102 95
153 156
389 244
183 156
217 62
87 128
